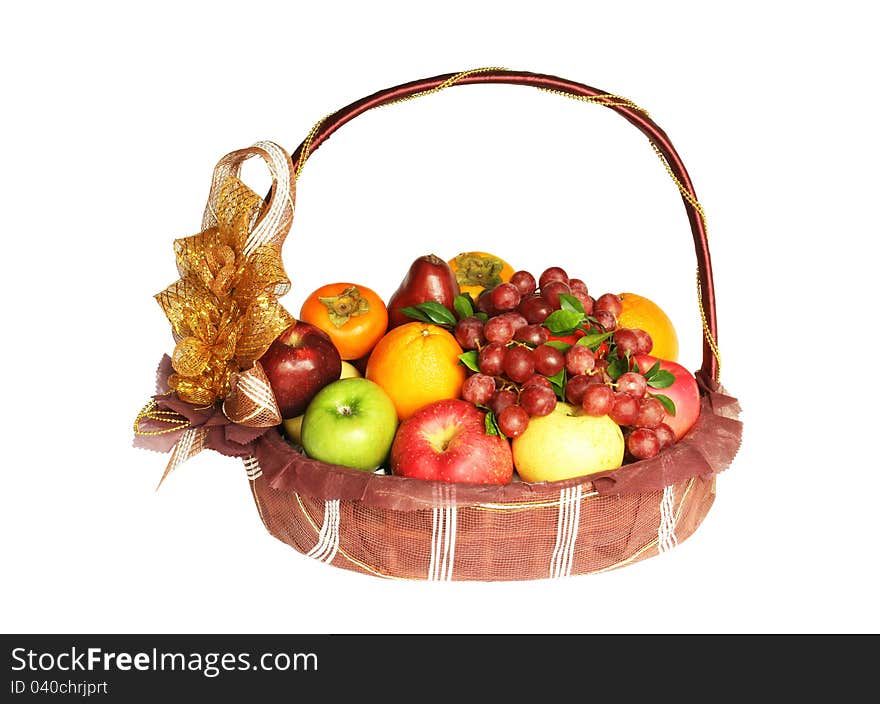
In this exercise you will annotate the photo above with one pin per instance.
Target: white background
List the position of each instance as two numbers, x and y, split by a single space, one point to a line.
113 119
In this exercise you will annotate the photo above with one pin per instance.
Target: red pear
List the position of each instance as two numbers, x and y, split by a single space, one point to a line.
429 279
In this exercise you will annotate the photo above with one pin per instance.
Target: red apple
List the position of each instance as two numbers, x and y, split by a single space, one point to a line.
568 339
446 441
684 394
299 363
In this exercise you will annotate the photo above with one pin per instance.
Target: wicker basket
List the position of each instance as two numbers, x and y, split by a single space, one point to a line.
396 527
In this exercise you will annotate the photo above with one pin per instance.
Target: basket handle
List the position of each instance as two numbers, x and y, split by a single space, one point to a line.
711 366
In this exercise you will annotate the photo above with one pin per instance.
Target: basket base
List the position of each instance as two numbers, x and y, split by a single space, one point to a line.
569 532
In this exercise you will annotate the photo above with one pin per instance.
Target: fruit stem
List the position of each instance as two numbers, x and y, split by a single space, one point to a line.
346 305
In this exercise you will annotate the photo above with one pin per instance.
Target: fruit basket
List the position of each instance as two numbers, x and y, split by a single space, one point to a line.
217 391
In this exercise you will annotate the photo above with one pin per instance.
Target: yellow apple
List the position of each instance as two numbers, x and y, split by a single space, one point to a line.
565 444
293 426
293 429
349 370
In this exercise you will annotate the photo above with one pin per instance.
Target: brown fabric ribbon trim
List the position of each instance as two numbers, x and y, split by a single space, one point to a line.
168 424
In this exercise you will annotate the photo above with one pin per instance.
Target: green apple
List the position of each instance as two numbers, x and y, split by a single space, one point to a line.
565 444
350 422
293 426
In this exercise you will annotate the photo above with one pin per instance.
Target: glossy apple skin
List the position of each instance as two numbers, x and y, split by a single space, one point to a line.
350 422
299 363
293 426
429 279
446 441
685 394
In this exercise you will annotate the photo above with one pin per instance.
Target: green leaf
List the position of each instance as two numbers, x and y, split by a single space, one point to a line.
571 303
470 359
617 367
667 402
563 322
653 370
661 379
482 316
635 366
412 312
558 383
491 423
594 339
439 314
559 345
464 306
558 378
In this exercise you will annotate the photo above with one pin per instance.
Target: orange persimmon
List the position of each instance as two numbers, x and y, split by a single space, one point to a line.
354 317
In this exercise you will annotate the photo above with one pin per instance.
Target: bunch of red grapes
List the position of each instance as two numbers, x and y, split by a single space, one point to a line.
524 369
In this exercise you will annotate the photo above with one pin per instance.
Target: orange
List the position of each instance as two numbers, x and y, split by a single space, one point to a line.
640 312
417 364
353 316
475 271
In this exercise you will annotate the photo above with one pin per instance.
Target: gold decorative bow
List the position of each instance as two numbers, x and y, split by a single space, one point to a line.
224 309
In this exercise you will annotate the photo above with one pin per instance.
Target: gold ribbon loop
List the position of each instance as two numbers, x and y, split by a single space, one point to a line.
224 310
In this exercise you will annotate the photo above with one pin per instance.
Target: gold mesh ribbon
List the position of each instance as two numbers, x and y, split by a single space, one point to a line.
224 310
